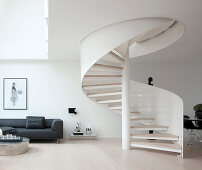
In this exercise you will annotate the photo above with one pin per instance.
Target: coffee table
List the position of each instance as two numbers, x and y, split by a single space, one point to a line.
14 148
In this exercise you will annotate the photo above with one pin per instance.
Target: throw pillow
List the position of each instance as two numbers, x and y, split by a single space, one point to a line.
8 130
34 122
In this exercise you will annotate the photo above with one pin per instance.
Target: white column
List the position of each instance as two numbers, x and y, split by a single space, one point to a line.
126 104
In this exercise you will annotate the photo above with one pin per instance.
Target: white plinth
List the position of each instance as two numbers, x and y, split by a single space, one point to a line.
92 136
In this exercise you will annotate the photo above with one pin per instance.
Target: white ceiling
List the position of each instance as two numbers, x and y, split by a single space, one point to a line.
71 20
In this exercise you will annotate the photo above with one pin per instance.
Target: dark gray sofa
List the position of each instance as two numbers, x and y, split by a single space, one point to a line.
53 128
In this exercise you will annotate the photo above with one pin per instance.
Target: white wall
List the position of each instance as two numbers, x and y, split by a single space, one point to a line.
22 30
183 79
52 88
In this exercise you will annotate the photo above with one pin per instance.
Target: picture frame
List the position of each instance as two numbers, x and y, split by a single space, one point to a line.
15 93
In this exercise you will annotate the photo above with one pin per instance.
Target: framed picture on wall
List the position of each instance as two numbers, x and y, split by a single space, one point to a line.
15 93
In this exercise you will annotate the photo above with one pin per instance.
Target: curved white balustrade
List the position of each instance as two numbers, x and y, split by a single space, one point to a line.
165 106
103 54
97 44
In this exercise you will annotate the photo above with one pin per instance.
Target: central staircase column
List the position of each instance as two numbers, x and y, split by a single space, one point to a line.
126 103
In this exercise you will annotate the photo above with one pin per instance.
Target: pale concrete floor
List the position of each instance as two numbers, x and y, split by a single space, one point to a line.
102 154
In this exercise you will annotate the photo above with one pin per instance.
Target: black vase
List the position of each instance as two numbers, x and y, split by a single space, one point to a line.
199 116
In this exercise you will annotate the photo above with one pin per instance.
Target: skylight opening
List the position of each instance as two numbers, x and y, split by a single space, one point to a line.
24 33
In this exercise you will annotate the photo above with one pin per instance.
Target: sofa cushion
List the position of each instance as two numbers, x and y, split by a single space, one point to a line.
8 130
15 123
34 122
48 123
36 133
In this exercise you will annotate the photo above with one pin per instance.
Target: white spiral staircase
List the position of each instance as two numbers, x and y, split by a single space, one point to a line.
105 79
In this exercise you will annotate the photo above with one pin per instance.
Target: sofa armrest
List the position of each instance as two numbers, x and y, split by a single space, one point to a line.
57 126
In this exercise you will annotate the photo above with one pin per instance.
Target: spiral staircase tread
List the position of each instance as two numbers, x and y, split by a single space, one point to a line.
157 146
